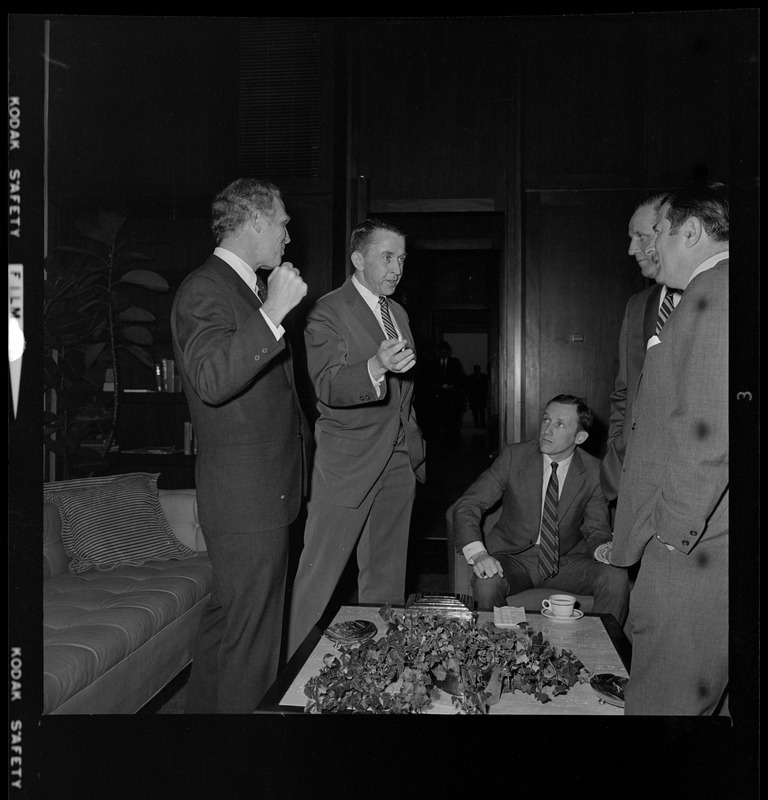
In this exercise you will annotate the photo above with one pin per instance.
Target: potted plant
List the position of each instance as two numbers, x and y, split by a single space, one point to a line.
403 672
89 321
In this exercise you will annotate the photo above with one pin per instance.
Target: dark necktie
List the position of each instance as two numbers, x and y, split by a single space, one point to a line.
261 286
389 326
667 307
549 540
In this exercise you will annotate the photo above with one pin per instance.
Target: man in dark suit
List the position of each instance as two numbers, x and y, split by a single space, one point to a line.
448 386
637 327
369 448
672 511
235 363
511 559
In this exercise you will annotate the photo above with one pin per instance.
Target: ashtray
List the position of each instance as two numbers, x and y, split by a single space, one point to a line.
609 688
353 632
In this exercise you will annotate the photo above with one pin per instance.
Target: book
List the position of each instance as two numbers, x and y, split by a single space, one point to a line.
189 438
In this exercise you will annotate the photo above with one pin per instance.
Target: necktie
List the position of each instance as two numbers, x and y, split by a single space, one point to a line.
666 309
549 542
389 326
261 288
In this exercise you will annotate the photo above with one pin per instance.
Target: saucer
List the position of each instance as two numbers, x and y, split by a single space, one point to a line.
576 615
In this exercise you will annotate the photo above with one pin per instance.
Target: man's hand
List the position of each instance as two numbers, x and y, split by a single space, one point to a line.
603 553
486 566
393 355
285 290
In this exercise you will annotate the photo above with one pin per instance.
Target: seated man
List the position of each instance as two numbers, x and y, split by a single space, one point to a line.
554 524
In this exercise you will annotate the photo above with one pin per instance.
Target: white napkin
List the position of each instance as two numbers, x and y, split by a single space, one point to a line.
508 616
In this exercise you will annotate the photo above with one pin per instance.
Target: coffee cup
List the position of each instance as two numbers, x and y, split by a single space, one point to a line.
559 605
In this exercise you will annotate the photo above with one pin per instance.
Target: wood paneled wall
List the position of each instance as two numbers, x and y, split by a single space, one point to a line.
564 124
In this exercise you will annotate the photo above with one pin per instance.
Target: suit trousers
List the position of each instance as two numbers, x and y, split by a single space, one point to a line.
679 618
238 642
578 573
379 526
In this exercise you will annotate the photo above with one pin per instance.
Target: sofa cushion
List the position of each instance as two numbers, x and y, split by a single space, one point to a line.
95 620
113 521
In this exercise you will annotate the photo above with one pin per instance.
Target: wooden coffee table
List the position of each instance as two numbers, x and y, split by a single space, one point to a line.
595 639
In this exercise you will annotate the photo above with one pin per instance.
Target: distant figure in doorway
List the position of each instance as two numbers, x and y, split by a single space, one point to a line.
448 380
477 395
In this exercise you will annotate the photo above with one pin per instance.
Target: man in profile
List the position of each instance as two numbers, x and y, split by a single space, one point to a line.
672 510
640 322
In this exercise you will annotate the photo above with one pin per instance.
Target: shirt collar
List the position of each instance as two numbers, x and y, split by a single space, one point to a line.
238 265
561 466
370 298
709 263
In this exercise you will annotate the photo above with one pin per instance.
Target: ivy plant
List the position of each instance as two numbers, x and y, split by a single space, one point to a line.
403 671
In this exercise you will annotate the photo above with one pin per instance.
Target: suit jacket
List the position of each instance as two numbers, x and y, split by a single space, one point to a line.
355 431
238 379
637 327
515 478
675 483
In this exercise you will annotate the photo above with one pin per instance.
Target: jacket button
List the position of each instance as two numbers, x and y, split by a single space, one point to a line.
685 543
264 350
633 425
257 358
693 533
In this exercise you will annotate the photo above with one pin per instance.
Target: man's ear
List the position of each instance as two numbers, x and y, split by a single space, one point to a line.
256 221
581 437
357 259
692 231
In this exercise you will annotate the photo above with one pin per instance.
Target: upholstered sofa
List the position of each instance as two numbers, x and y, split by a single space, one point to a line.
459 572
125 579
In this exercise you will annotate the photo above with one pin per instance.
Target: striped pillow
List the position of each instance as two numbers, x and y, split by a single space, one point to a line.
113 521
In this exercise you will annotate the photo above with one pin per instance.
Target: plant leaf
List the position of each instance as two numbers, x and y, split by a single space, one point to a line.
136 335
136 314
140 354
145 278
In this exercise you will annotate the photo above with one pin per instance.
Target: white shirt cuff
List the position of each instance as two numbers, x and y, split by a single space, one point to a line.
278 330
471 550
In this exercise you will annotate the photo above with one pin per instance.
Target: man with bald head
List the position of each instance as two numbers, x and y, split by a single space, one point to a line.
639 324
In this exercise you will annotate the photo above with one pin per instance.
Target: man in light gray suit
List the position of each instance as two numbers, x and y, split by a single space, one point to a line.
369 448
672 509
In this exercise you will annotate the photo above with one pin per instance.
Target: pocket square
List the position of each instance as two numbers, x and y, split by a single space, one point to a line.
652 342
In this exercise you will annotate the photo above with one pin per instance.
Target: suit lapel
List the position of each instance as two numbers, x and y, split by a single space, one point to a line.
574 480
532 476
362 312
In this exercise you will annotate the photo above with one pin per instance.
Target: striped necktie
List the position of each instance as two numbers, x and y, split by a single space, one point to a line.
549 540
667 307
389 326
